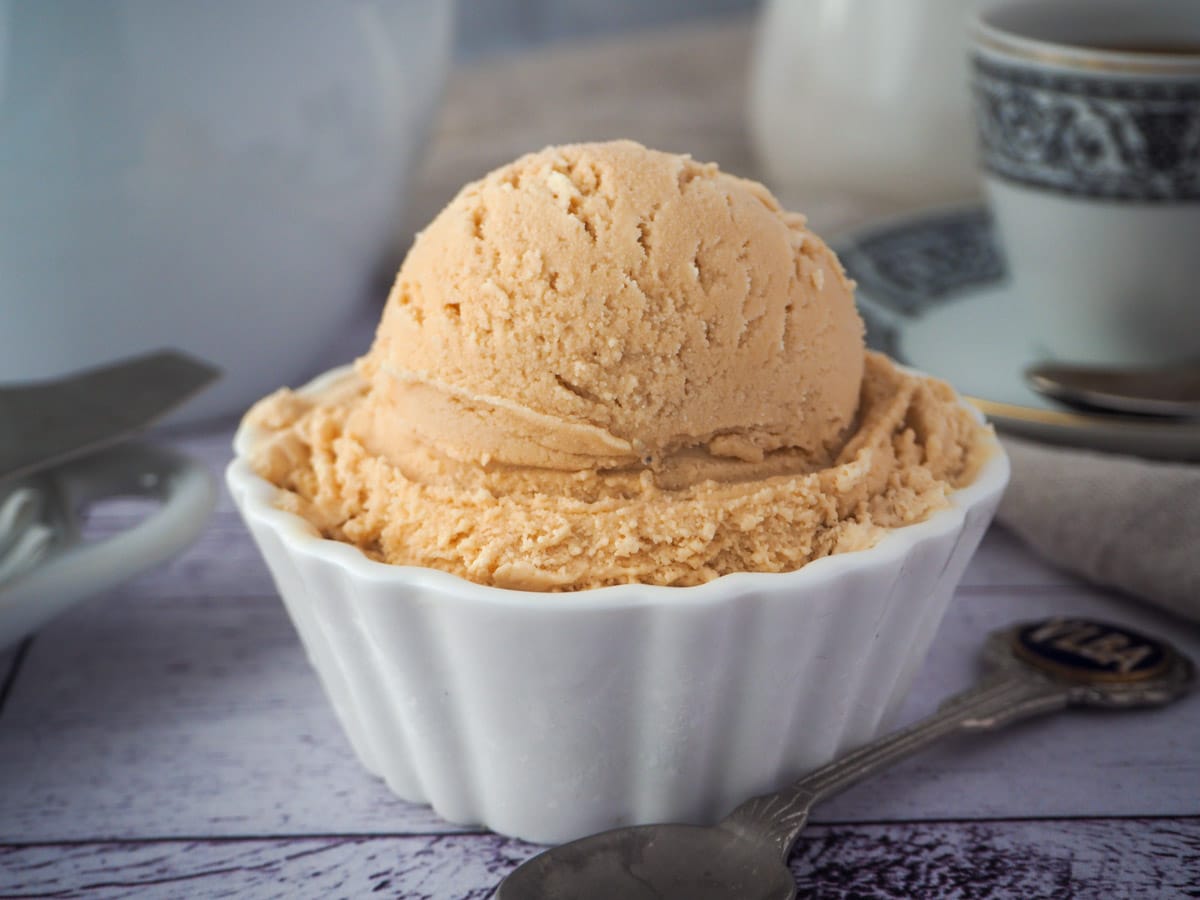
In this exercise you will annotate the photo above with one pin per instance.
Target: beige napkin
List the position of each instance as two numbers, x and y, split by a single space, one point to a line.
1117 521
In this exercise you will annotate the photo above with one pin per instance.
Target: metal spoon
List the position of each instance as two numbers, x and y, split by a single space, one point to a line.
1037 667
1173 391
47 423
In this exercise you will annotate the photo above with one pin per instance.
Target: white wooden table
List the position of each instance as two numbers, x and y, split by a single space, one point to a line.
170 740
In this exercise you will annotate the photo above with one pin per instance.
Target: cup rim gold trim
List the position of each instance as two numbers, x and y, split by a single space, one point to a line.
1065 418
1081 58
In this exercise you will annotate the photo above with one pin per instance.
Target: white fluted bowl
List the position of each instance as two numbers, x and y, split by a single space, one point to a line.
551 716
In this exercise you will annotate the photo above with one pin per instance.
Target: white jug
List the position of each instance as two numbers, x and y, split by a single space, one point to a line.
862 106
221 176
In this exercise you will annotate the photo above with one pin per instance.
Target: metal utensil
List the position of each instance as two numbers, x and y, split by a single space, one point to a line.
1173 391
47 423
1036 667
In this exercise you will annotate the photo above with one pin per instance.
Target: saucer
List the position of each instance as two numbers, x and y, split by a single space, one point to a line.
934 295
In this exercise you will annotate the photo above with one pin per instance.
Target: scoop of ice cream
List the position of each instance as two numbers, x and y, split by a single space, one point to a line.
600 306
601 364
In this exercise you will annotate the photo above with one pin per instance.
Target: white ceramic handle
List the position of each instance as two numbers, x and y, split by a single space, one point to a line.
186 492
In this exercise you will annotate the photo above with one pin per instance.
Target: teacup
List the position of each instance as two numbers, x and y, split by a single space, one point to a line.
1088 114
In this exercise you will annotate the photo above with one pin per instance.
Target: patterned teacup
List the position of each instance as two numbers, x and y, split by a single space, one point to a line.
1089 125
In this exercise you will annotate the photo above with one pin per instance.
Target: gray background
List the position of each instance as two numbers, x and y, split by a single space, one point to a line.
487 28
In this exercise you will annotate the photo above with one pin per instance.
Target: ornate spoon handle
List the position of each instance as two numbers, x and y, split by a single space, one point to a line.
1039 667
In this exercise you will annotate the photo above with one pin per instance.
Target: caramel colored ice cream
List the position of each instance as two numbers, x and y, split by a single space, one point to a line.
604 364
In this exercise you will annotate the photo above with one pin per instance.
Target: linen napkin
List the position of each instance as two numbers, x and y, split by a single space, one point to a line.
1117 521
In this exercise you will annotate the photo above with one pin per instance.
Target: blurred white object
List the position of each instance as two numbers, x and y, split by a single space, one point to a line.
225 177
862 106
24 538
46 565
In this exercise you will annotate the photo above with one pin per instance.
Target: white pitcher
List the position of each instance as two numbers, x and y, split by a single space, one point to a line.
861 107
222 176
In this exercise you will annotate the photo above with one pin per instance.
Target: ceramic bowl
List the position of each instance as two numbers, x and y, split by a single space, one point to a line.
47 565
551 716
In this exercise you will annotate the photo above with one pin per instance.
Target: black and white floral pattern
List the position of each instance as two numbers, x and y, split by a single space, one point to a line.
909 265
1094 135
916 260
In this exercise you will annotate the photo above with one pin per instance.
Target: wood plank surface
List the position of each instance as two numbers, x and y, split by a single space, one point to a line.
198 715
169 739
11 659
948 860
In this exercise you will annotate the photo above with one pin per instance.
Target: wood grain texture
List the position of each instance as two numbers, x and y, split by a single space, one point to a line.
11 660
419 867
953 861
972 861
140 715
174 734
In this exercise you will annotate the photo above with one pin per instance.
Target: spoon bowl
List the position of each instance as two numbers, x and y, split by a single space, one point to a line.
1035 668
651 862
1172 392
